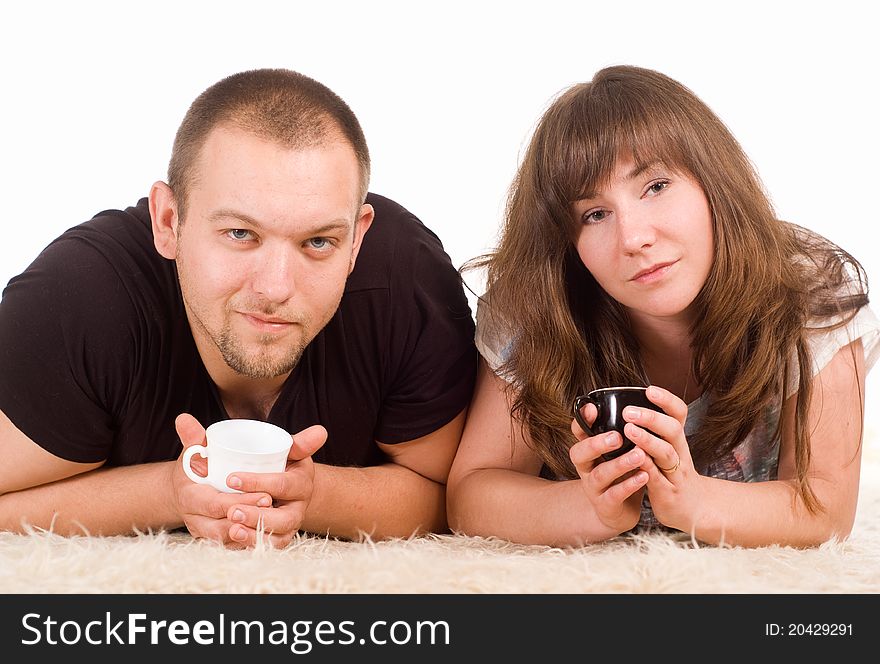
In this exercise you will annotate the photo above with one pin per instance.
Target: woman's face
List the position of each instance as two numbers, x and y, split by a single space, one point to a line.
647 239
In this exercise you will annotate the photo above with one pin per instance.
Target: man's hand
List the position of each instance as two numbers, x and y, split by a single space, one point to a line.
291 490
235 518
201 507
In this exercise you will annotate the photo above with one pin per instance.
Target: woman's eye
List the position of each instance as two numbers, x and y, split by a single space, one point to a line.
657 187
595 216
239 234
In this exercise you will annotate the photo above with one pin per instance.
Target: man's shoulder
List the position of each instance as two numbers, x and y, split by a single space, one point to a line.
110 235
394 242
128 227
104 263
385 207
393 221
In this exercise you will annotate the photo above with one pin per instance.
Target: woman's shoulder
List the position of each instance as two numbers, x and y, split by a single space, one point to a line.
825 338
494 338
824 262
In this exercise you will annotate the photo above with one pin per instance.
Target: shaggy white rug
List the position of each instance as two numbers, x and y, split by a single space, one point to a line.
658 563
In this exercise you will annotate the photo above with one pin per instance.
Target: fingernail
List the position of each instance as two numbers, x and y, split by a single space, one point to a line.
632 413
611 438
238 515
239 534
265 501
234 482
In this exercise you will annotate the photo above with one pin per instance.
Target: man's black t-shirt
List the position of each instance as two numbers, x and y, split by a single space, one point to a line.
97 357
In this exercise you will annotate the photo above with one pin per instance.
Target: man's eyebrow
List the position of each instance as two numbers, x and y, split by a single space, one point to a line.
330 226
224 215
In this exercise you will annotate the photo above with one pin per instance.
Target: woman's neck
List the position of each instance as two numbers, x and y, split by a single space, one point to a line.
665 347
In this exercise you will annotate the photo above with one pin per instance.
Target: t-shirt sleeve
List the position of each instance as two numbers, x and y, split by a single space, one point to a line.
63 347
493 340
825 343
431 345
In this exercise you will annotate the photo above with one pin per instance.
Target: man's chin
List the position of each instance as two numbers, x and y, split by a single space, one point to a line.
261 367
261 373
262 358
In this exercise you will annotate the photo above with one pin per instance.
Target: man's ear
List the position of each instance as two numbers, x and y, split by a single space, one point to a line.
163 212
361 226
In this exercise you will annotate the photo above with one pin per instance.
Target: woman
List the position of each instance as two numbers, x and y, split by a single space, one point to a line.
639 248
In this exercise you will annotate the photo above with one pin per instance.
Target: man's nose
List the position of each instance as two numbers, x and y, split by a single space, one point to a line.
274 273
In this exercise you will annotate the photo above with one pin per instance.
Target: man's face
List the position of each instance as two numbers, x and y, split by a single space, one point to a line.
269 239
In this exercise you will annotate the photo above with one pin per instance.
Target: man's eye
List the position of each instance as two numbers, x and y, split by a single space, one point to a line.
319 243
239 234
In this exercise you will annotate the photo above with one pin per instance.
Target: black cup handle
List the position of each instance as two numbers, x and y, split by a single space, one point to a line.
579 403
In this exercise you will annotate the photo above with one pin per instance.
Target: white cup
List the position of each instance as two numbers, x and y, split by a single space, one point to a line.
238 445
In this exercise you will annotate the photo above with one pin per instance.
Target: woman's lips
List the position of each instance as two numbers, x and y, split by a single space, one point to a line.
653 273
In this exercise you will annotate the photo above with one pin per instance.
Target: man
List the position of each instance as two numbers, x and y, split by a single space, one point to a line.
262 281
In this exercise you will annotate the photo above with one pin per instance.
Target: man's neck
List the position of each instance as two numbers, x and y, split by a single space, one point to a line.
250 398
242 396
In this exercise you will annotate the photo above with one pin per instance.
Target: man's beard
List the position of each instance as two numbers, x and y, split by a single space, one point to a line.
260 363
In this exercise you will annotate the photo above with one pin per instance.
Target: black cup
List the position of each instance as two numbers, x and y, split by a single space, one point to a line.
610 402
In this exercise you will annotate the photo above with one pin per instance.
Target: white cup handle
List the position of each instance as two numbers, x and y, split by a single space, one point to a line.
202 451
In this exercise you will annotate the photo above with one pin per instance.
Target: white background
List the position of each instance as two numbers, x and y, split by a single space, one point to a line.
92 93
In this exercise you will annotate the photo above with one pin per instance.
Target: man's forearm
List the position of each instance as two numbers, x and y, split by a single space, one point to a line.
106 501
378 501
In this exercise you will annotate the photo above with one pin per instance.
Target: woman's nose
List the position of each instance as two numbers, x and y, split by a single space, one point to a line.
636 230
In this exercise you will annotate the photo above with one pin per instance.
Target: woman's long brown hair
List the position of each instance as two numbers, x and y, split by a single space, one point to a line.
769 278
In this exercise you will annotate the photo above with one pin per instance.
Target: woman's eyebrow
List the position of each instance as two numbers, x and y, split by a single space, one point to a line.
638 169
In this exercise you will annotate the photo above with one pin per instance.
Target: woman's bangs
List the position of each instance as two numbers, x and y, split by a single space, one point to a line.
598 145
655 145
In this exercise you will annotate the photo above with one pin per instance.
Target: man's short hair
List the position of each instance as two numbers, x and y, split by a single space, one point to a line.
279 105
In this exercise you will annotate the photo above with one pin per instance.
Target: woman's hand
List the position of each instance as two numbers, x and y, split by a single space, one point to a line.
614 488
673 484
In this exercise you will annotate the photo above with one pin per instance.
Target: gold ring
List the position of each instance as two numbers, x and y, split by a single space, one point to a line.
673 469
